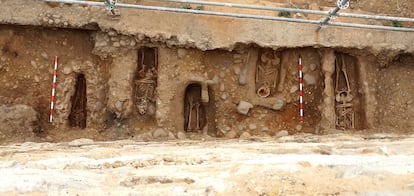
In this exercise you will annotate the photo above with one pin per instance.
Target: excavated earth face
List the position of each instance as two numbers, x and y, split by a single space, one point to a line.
128 82
121 81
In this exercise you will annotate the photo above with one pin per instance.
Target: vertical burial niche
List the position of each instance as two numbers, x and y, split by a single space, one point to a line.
146 81
194 109
267 73
199 109
77 116
348 96
274 86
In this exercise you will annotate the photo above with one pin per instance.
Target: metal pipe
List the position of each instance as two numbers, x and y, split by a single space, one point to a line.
364 26
375 17
306 11
177 10
256 7
332 13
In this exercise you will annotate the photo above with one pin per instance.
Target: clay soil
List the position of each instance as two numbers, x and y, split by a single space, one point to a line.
26 72
338 164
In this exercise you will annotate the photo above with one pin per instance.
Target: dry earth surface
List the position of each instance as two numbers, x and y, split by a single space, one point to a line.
338 164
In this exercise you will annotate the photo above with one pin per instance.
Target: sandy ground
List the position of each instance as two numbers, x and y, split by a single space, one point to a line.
294 165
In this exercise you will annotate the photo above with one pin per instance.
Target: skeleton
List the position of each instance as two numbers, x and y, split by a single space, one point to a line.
77 116
345 118
195 110
193 105
144 92
145 85
267 73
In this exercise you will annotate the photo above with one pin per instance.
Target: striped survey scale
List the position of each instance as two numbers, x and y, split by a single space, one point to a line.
52 98
300 90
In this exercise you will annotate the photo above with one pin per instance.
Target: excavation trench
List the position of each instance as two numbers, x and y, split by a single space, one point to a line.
110 87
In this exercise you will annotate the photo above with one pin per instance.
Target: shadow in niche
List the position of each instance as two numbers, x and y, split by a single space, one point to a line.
77 116
199 116
194 109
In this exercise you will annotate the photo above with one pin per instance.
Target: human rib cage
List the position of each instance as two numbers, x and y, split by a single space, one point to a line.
345 115
146 80
267 73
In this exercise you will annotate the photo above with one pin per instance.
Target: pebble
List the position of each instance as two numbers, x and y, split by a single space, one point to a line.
50 22
215 79
171 136
123 43
101 43
231 134
237 56
114 39
309 79
116 44
294 89
282 133
279 104
222 87
118 105
244 107
33 63
36 79
221 75
245 135
299 127
67 70
236 70
224 96
159 133
181 135
237 61
112 33
44 55
132 43
124 37
80 142
313 67
141 37
98 106
252 126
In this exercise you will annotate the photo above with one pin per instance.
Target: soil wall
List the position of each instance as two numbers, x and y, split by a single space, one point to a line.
123 76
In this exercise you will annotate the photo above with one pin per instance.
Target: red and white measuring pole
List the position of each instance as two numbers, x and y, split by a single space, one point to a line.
300 90
52 98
